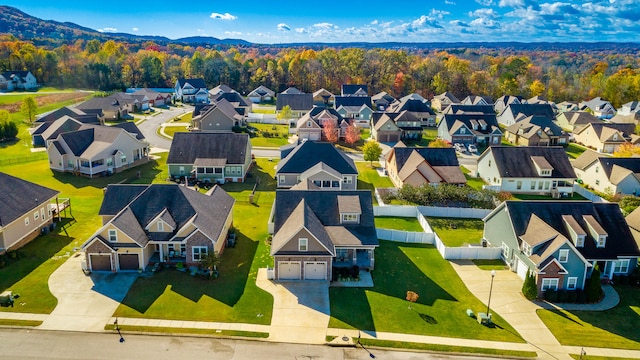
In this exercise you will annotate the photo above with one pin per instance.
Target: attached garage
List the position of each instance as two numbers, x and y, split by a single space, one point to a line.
128 261
522 269
315 270
288 270
315 136
100 262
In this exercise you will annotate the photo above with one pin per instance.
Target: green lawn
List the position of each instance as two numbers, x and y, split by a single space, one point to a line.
490 264
28 277
269 142
616 328
278 135
234 296
575 196
473 182
369 179
574 150
264 111
447 348
169 131
398 223
184 118
188 331
439 311
455 232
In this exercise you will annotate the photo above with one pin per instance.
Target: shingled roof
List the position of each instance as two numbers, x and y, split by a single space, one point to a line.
516 162
309 153
186 147
18 196
297 102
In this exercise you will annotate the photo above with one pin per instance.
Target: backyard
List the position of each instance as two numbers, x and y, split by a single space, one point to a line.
398 223
369 179
456 232
439 311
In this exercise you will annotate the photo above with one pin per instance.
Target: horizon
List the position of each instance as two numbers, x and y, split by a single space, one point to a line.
446 21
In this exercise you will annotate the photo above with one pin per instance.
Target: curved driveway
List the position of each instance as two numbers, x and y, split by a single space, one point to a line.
149 127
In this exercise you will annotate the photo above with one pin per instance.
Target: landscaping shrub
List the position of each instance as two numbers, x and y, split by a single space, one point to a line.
448 195
551 295
593 288
581 296
529 288
355 271
572 296
563 296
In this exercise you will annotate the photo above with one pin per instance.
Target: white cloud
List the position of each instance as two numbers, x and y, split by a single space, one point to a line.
325 25
374 22
447 2
511 3
485 2
283 27
135 29
233 33
484 13
225 16
108 30
301 30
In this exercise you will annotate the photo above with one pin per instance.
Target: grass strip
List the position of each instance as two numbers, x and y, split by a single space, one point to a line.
445 348
14 322
192 331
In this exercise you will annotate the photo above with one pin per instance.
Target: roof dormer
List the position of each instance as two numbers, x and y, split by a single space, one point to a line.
596 230
349 209
543 167
576 232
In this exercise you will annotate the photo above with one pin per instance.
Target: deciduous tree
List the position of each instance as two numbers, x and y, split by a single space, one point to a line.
285 113
352 134
371 151
330 131
29 108
439 143
627 150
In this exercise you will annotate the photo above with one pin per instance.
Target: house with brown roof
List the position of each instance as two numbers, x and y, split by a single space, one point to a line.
98 150
442 101
384 128
605 137
218 116
418 108
25 210
606 174
573 121
323 97
158 223
317 231
312 124
418 166
536 131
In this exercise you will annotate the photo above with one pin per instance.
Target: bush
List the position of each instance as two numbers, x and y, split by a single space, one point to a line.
529 288
593 288
581 297
551 295
563 296
572 296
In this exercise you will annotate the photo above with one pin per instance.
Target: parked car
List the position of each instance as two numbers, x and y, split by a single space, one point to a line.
472 148
459 147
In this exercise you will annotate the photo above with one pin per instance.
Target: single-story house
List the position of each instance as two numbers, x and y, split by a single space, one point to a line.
299 103
315 231
606 174
143 224
155 98
218 116
419 166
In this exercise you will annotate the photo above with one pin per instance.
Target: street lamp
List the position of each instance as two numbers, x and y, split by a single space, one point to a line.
364 348
493 274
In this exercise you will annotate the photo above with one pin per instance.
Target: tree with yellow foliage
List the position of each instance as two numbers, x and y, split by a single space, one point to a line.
627 150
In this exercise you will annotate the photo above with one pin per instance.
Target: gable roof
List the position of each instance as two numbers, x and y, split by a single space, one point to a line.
532 124
18 196
471 109
605 130
301 216
89 140
618 168
51 130
455 121
291 91
516 162
222 89
447 96
75 113
412 105
309 153
580 117
297 101
352 101
196 83
132 128
262 91
354 90
529 109
585 159
186 147
232 97
619 242
442 160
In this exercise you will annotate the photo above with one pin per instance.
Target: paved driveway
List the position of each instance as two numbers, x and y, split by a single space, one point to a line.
150 126
85 303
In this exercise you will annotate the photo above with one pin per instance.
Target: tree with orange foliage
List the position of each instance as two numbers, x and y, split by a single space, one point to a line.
439 143
352 134
627 150
330 131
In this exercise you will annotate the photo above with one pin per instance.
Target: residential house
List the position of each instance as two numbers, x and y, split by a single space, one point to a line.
192 91
420 109
98 150
239 103
219 116
536 131
503 101
384 128
605 137
49 131
573 121
316 231
111 108
261 94
633 220
382 100
25 209
144 224
540 100
17 80
323 97
408 124
357 90
442 101
311 126
561 241
221 89
477 100
470 128
419 166
568 106
43 130
628 113
210 156
599 107
292 91
85 117
155 98
300 103
514 112
530 170
360 115
320 163
613 175
469 109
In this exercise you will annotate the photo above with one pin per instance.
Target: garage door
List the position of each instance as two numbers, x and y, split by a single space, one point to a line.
315 270
128 261
100 263
314 136
522 269
288 270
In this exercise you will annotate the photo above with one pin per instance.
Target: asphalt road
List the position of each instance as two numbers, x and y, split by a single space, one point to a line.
149 127
37 344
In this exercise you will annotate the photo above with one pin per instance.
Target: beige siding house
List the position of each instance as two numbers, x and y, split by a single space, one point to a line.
613 175
419 166
605 137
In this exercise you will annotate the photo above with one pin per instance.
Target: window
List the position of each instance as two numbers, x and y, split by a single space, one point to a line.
526 248
308 123
326 183
208 170
571 283
181 170
183 249
549 284
110 161
597 182
302 244
621 266
462 130
42 214
282 179
349 217
564 256
533 185
580 241
347 179
113 235
217 170
601 241
540 183
505 251
489 163
335 184
26 221
198 252
123 159
597 169
160 226
546 185
36 215
519 185
84 163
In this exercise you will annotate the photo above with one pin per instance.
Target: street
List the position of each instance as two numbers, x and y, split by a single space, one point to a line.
37 344
149 127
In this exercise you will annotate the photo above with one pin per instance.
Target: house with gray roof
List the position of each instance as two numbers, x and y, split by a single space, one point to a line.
505 100
155 98
323 97
600 107
357 90
477 100
192 91
382 100
418 166
442 101
111 108
49 131
17 80
321 163
606 137
606 174
261 94
25 209
536 131
628 113
384 128
470 128
210 156
44 123
469 109
94 150
527 170
218 116
420 109
158 223
300 103
317 231
514 112
560 242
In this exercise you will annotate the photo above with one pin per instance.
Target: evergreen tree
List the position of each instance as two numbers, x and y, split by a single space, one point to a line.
529 288
593 288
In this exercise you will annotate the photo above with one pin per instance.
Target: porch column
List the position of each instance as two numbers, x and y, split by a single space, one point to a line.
90 168
161 252
355 256
613 266
371 259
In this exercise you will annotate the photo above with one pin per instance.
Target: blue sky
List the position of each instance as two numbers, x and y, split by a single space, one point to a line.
272 22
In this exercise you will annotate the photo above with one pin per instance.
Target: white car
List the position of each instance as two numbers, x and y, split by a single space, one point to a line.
459 147
472 148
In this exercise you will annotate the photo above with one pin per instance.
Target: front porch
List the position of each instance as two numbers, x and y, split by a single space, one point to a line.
169 254
363 258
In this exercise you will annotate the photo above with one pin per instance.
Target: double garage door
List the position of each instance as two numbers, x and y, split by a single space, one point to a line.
103 262
313 270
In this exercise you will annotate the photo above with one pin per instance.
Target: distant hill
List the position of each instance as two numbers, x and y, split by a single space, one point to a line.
27 27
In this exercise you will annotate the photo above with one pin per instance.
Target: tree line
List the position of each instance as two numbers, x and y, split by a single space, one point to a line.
557 75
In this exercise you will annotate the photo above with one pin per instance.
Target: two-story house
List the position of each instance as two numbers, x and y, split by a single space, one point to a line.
514 112
470 128
418 166
605 137
442 101
17 80
606 174
536 131
573 121
601 108
531 169
192 91
418 108
219 116
313 125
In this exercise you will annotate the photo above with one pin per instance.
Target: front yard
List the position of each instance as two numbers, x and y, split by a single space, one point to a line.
439 311
456 232
270 135
615 328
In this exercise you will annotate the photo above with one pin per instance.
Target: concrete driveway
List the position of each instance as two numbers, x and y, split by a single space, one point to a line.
300 310
85 303
149 127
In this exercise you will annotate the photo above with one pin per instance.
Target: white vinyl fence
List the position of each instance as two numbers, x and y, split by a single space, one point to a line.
453 212
587 194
